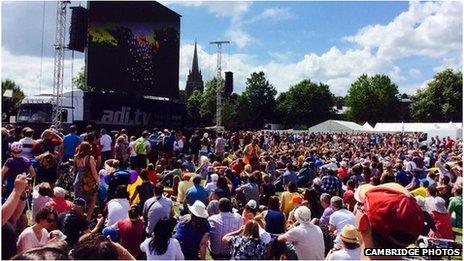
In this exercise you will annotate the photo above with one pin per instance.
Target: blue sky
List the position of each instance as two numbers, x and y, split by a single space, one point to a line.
331 42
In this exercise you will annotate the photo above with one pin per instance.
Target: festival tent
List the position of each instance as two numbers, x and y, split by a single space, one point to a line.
337 126
367 126
414 126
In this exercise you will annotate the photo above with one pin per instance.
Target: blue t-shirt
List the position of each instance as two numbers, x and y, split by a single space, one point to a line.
16 166
190 237
402 178
197 192
70 143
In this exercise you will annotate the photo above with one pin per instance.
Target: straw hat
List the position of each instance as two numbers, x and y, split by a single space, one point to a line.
198 209
349 234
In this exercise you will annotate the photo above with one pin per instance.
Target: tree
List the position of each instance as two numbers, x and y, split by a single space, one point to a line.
305 104
259 100
8 103
441 100
193 108
80 82
373 99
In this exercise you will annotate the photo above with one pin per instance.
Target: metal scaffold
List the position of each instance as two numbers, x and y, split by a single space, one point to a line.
219 82
58 68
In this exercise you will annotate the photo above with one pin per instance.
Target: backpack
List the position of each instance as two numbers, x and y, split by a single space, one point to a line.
139 146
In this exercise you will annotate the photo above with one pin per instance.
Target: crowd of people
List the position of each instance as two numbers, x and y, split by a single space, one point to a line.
231 195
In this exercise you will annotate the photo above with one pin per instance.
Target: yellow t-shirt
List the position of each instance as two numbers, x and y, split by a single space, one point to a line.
286 198
182 189
131 190
420 191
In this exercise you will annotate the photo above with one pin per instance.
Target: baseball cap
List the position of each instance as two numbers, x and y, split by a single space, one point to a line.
392 212
80 202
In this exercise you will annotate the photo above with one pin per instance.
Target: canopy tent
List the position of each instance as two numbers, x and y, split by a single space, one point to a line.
367 126
337 126
414 126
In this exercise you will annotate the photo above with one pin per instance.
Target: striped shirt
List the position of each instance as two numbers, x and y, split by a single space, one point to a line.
221 224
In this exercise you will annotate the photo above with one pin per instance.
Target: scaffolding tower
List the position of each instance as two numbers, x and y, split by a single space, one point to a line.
219 83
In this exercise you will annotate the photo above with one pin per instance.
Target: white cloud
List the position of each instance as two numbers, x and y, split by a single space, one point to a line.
416 73
25 71
228 9
432 29
273 14
280 56
449 62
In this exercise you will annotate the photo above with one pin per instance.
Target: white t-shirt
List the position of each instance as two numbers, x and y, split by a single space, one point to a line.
174 252
28 240
105 142
345 254
308 241
132 149
339 219
117 210
178 145
211 187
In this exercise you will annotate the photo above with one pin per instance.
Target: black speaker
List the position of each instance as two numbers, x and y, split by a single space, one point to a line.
229 84
78 31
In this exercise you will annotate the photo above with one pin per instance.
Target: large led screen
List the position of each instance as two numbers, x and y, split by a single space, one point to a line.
133 47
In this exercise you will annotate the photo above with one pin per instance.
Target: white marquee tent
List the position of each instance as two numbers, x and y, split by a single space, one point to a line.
414 126
337 126
367 126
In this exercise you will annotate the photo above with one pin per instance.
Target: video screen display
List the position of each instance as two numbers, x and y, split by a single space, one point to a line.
133 47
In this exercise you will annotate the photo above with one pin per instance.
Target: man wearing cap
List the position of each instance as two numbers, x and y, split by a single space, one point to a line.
14 166
387 216
73 223
307 238
58 202
350 245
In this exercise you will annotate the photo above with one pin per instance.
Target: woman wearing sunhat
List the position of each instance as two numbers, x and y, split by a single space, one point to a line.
193 231
441 217
350 245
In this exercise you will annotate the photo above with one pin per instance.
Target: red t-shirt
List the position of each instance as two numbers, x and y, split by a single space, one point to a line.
152 177
443 224
60 204
130 235
342 173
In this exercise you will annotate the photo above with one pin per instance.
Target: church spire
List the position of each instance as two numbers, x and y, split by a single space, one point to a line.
195 59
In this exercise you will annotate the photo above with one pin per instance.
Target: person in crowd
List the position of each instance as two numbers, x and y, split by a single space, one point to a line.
249 191
306 237
312 197
330 183
144 190
196 192
192 232
429 223
422 189
219 146
245 243
444 188
118 207
87 180
392 219
455 206
195 145
183 186
70 142
98 247
119 176
286 203
142 147
122 151
251 154
73 223
339 218
297 201
289 176
40 197
130 231
28 143
221 224
162 246
47 168
212 186
14 166
401 176
267 190
37 234
105 143
213 207
350 247
222 190
156 208
348 195
49 142
50 251
58 202
441 217
328 210
306 175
